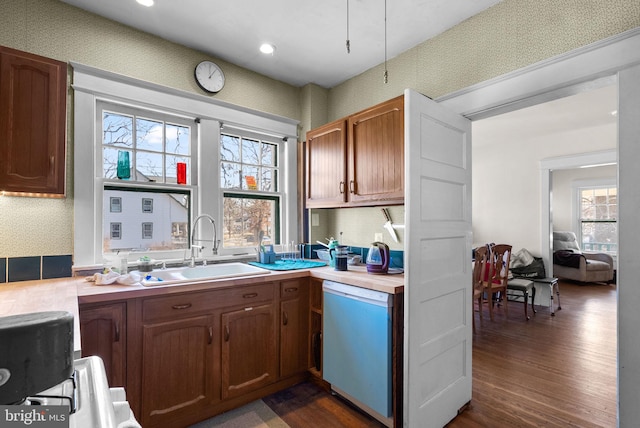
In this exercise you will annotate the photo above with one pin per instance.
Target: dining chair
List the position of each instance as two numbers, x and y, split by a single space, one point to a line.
497 275
479 264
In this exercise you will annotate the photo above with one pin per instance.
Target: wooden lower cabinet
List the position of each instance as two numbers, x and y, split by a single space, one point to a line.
103 332
178 377
315 327
194 354
294 326
248 349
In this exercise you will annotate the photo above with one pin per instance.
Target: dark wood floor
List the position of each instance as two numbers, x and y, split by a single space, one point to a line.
546 372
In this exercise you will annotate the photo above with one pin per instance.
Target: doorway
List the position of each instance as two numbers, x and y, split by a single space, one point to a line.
527 144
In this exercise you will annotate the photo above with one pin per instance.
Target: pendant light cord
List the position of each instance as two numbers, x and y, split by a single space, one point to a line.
386 74
348 41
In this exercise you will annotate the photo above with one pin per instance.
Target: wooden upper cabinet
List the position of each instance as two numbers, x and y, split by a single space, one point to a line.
326 165
33 100
376 154
359 160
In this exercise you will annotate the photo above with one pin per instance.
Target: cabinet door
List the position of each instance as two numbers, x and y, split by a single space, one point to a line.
294 328
33 99
315 327
326 167
248 350
103 333
177 371
376 154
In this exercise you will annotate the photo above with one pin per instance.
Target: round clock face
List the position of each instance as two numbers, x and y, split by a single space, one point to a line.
209 76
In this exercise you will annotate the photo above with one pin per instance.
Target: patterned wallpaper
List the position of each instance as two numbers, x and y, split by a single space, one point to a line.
508 36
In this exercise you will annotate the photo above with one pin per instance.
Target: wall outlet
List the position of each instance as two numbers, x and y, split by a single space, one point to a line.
377 237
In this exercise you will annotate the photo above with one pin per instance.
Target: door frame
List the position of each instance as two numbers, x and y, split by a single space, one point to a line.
551 79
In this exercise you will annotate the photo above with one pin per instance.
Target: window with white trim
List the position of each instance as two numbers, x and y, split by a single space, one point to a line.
142 127
147 205
147 230
597 218
116 230
141 150
115 205
250 182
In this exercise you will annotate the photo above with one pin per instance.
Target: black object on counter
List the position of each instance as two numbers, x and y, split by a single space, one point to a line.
36 353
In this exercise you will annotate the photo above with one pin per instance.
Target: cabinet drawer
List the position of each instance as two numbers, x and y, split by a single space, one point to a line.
247 295
290 289
170 307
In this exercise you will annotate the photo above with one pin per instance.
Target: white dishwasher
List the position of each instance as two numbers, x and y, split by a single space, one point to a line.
357 339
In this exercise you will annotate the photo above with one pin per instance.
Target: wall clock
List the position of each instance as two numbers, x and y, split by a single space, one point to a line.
209 76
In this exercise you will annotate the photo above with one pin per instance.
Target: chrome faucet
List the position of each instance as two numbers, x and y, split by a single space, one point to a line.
215 242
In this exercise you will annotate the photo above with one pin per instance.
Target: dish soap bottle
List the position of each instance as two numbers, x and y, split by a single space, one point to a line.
333 243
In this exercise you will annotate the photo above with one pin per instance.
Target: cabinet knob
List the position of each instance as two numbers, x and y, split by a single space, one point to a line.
285 318
210 335
226 333
291 289
117 331
250 295
352 186
341 187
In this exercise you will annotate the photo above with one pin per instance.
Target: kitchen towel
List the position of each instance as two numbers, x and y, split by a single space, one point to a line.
109 277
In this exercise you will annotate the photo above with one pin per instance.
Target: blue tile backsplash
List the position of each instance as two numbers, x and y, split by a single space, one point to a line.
3 270
56 267
13 269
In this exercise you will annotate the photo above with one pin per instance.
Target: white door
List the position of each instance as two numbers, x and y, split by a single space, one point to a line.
628 238
438 303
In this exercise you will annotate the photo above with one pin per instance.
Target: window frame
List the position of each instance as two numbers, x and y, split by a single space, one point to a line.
112 205
150 205
118 227
91 86
276 195
145 226
578 186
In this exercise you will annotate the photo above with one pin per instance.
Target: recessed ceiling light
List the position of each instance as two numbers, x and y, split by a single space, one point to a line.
147 3
267 48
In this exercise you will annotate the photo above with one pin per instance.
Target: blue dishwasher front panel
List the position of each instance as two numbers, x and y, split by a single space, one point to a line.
357 349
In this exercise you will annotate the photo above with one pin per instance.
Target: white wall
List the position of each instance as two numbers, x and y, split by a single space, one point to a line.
506 179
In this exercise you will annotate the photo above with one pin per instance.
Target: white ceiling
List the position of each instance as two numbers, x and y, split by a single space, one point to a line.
310 39
585 109
310 36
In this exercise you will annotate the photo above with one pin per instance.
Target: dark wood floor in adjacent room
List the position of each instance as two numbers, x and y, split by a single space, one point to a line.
550 371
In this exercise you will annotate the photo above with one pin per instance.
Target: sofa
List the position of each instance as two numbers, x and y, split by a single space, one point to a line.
570 262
